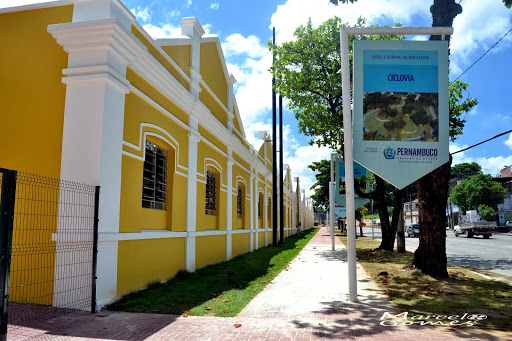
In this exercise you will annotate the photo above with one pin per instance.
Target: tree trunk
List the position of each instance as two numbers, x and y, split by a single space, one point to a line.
430 256
379 196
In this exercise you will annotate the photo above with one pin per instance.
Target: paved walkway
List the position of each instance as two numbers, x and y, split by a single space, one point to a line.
307 302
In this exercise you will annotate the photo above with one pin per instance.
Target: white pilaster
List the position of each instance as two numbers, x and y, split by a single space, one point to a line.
266 209
193 139
256 217
251 212
98 53
231 114
229 206
191 28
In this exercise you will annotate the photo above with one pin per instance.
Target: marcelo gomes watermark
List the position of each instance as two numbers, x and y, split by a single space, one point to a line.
404 319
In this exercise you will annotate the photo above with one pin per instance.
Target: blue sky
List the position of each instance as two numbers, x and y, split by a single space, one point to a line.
244 27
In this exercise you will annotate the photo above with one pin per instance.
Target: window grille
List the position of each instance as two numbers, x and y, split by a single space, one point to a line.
239 201
211 183
269 209
259 206
154 182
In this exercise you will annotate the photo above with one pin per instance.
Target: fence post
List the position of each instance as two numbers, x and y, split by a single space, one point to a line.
95 249
7 200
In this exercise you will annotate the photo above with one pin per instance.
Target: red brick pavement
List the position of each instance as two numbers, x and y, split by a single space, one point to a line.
308 302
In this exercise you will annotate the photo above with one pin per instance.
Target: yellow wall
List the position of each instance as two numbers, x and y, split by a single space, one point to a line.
215 108
143 261
181 55
261 239
31 92
240 244
212 71
160 57
210 250
32 97
140 112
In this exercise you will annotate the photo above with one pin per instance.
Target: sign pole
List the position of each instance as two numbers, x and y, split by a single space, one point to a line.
332 202
349 167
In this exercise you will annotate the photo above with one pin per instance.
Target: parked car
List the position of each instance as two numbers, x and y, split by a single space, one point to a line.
375 223
508 223
413 230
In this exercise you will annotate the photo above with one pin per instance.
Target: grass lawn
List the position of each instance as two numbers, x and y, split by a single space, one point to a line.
463 292
222 289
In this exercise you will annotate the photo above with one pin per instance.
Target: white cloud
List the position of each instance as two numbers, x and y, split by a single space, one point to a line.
296 12
143 14
188 4
238 44
508 142
214 5
165 31
472 34
491 165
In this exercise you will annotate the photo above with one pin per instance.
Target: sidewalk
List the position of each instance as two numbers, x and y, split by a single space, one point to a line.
307 302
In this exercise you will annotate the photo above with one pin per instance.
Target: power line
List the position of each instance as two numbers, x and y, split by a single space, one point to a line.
492 138
484 54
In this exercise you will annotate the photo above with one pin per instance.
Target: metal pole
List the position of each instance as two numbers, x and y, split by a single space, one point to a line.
298 207
95 249
7 200
371 222
274 155
281 172
332 202
349 167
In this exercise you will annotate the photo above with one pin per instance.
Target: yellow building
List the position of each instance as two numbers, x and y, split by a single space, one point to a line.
89 96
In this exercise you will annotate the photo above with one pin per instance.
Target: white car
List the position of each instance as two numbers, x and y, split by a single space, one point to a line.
457 230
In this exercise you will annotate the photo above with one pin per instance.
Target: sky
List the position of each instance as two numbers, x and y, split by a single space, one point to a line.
245 27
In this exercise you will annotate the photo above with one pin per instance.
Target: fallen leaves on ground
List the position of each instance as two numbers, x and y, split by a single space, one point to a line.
237 325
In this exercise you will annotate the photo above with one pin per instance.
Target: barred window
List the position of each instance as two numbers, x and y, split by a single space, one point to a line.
154 178
239 203
269 208
259 206
211 184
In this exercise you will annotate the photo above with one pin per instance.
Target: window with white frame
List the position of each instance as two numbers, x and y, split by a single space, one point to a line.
239 202
211 193
154 178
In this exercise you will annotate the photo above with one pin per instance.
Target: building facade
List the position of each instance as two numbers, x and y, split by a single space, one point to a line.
89 96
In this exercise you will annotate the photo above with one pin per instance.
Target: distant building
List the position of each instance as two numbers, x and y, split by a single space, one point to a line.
411 212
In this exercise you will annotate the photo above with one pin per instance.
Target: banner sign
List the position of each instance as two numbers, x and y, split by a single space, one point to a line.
359 173
401 108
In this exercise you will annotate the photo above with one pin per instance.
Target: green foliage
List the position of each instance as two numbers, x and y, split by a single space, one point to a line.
507 3
307 72
361 212
465 170
459 105
487 213
322 171
481 189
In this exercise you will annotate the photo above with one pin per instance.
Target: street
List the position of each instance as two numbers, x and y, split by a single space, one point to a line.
494 254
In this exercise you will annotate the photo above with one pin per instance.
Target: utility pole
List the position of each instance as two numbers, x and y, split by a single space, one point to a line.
298 206
274 155
281 173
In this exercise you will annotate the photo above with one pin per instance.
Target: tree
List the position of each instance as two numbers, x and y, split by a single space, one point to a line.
465 170
486 212
480 190
307 72
322 171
